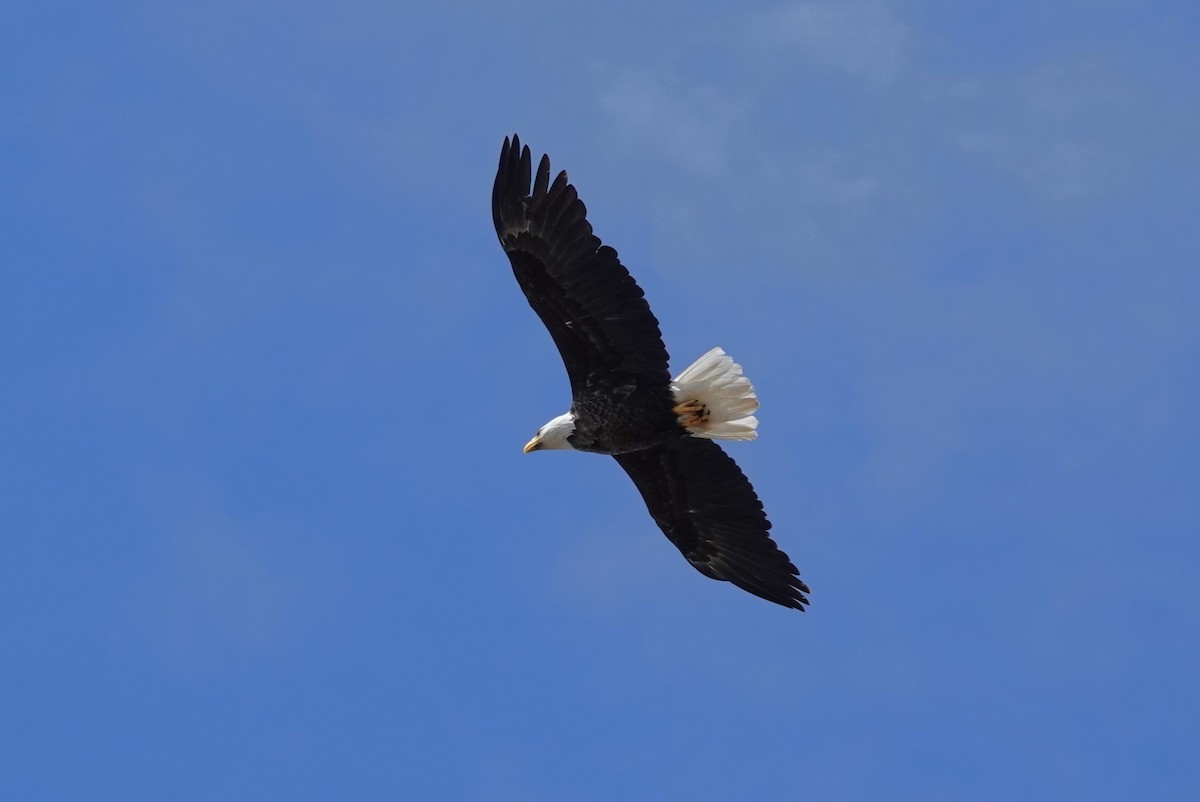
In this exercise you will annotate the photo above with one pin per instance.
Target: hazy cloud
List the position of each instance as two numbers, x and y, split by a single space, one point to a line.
685 124
222 593
225 588
1063 131
864 39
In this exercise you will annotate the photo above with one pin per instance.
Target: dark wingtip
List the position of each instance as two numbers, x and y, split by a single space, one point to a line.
510 148
797 592
787 590
542 181
792 597
508 187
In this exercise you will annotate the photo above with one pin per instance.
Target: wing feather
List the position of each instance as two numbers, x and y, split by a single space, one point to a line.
594 310
705 505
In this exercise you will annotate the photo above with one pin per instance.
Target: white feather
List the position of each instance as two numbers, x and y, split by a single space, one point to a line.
715 384
554 434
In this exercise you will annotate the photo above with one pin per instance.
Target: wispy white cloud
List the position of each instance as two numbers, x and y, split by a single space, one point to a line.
687 124
1069 135
1063 131
839 203
865 39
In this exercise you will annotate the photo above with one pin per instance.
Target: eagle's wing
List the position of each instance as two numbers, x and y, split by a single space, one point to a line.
703 502
595 311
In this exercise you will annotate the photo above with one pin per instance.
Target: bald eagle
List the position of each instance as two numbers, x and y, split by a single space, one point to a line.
624 402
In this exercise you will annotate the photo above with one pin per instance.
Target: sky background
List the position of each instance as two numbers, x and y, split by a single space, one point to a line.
266 530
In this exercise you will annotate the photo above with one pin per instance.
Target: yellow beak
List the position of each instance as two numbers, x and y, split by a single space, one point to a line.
533 445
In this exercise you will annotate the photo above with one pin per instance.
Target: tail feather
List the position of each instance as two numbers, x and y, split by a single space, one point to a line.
714 400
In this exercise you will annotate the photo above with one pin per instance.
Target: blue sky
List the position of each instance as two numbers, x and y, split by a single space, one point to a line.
267 531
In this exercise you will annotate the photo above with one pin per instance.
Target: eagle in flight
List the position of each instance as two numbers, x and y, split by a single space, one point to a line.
624 403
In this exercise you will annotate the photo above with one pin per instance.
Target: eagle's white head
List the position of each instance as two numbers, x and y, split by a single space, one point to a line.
554 434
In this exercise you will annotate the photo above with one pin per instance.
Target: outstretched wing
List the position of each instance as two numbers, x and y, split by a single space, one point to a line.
703 502
595 311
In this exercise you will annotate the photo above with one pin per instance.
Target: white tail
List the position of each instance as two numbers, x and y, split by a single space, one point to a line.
714 400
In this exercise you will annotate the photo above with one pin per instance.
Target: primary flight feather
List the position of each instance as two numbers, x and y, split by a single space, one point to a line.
623 400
